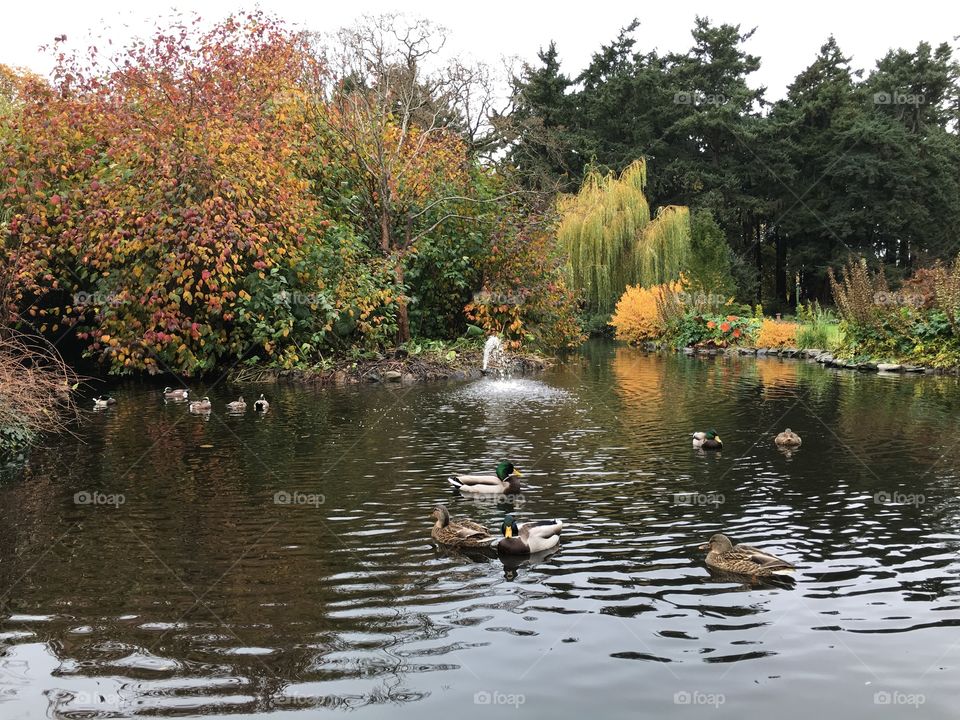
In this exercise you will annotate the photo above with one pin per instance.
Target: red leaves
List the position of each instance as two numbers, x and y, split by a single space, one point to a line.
177 182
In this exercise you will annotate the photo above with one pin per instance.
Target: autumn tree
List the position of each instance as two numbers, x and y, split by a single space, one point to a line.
407 122
156 201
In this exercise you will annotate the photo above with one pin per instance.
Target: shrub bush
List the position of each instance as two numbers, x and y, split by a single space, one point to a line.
777 334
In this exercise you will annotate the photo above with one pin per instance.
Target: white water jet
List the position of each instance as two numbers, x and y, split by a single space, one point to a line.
492 350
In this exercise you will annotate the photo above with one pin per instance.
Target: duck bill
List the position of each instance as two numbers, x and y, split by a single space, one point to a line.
517 473
705 546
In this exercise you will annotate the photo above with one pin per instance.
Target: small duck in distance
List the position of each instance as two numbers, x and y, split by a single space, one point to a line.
176 393
200 406
102 402
239 405
788 438
505 482
530 537
724 556
708 440
261 404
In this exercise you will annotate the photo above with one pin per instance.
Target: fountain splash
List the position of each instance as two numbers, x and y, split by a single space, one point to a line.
492 351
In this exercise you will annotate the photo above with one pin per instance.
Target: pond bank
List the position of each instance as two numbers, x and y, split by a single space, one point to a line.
823 357
398 367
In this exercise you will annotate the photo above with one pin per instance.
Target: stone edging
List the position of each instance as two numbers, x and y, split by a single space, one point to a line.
821 356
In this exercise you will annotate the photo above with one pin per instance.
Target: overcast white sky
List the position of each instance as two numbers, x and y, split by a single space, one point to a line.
788 34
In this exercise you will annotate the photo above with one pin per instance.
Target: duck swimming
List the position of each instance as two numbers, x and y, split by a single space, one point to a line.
460 533
505 482
708 440
723 555
238 405
788 438
528 538
200 406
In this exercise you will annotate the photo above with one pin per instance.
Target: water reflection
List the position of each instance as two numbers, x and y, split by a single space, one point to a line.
200 593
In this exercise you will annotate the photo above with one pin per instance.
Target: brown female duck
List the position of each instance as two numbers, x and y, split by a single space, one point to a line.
743 559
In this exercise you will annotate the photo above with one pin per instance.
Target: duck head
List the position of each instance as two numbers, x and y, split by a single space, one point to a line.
505 469
441 515
717 543
509 526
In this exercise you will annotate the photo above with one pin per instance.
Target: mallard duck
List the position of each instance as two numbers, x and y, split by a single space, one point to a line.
176 393
503 483
200 406
238 405
531 537
723 555
788 438
459 534
708 440
261 404
102 402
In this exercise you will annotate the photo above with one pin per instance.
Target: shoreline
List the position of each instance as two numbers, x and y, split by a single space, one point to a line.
823 357
399 367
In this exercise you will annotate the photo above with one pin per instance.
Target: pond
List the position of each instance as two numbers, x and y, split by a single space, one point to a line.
168 564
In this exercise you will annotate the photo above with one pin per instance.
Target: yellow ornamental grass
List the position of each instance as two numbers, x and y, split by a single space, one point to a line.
777 334
638 317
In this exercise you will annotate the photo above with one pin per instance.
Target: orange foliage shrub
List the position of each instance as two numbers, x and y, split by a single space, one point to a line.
774 333
638 316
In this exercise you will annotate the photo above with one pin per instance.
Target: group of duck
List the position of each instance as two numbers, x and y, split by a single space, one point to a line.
525 539
539 536
197 407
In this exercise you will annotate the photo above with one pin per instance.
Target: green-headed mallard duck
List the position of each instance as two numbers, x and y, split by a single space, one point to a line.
102 402
176 393
531 537
200 406
261 404
742 559
505 482
708 440
788 438
238 405
459 534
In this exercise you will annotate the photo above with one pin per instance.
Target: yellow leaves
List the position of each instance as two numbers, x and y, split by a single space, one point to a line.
778 334
637 317
243 295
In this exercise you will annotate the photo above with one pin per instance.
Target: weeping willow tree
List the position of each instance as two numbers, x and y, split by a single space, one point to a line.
611 240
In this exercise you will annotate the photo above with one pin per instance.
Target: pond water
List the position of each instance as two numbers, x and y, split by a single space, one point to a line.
151 566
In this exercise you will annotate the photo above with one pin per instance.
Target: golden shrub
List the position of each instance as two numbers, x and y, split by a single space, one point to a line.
778 334
638 315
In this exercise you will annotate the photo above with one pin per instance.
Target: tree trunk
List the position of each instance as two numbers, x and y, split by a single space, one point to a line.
780 281
403 317
384 229
755 231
